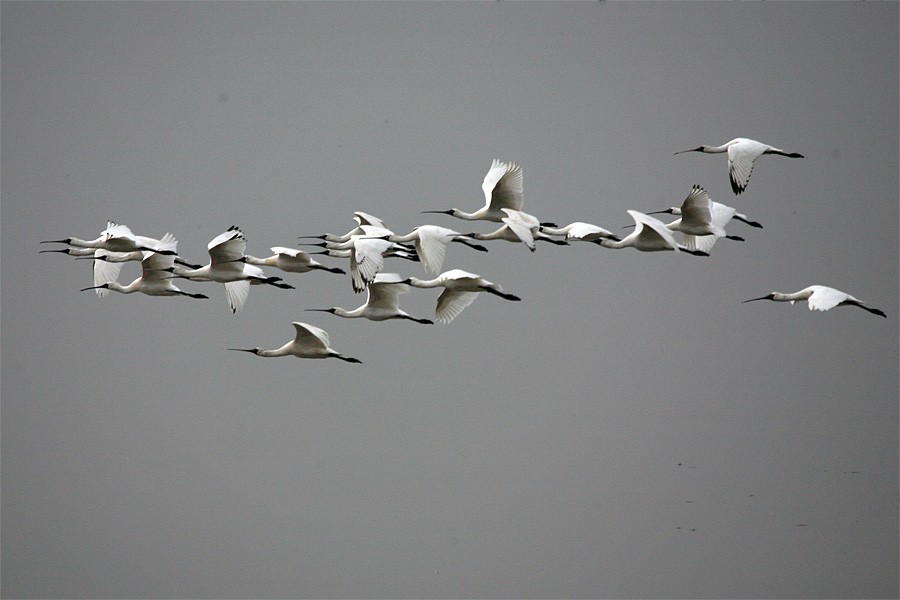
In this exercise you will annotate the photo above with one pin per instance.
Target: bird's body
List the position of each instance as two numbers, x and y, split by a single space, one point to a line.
502 187
362 219
309 342
581 232
649 235
431 244
152 281
460 290
226 266
383 301
819 297
742 153
290 260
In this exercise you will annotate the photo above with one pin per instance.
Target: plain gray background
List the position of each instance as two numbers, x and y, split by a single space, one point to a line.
629 429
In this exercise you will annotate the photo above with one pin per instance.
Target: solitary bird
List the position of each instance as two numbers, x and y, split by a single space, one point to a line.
819 297
431 244
742 153
517 227
290 260
460 290
152 281
310 342
503 188
650 235
383 302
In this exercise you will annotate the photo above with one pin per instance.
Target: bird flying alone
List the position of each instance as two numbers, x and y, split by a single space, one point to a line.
742 153
819 297
503 188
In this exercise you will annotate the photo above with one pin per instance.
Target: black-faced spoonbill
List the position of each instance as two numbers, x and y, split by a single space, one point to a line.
580 232
742 153
503 188
819 297
115 238
290 260
152 281
310 342
702 221
383 302
225 266
517 227
460 290
649 235
431 244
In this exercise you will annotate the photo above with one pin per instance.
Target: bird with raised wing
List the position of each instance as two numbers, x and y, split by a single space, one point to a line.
309 342
383 302
819 297
702 221
502 187
115 238
742 153
225 267
460 290
650 235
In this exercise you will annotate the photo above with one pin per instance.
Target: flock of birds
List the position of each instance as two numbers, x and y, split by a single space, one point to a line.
701 223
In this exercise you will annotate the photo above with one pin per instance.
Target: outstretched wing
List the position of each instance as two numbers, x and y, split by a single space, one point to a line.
503 186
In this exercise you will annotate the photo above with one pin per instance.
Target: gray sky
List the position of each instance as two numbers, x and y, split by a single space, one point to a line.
629 429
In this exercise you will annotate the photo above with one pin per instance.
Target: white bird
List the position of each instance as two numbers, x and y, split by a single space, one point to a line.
460 290
720 215
742 153
503 188
649 235
309 342
225 266
115 238
517 227
362 220
702 221
152 281
580 231
383 302
367 252
291 261
431 244
819 297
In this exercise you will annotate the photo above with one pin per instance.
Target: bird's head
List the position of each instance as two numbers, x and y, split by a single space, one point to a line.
449 211
250 350
331 310
697 149
104 286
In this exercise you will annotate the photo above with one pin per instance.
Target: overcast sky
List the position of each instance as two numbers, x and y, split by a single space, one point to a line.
629 429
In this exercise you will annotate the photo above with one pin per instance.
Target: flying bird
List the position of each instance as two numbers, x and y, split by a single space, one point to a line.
383 302
460 290
702 221
517 227
431 244
309 342
503 188
742 153
225 266
290 260
819 297
650 235
152 281
580 232
115 238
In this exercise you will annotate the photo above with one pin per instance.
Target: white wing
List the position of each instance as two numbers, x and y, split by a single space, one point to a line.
696 210
741 157
236 292
431 246
366 260
654 228
826 298
106 271
450 303
154 264
310 336
522 224
503 186
367 219
699 242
